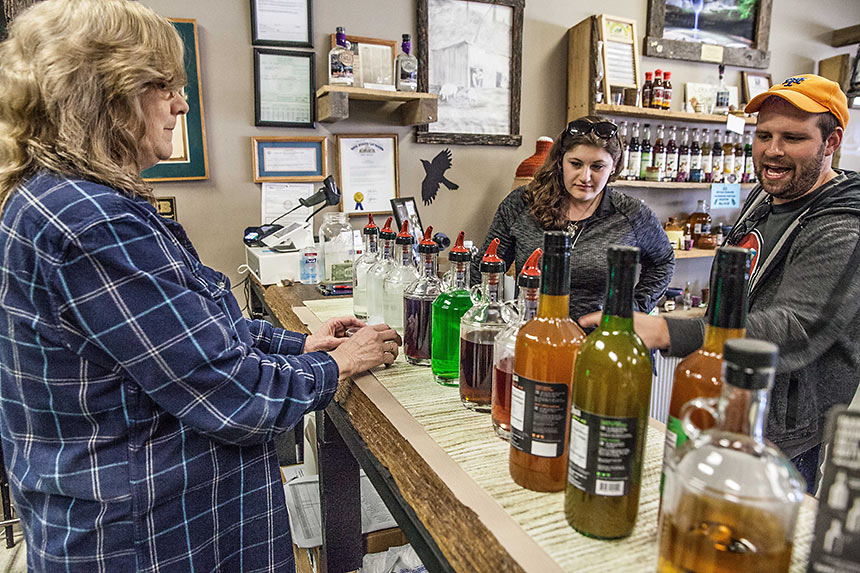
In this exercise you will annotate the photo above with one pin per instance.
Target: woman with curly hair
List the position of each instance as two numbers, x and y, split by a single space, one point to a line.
571 192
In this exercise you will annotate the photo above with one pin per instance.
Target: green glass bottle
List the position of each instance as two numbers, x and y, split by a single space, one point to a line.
609 413
448 309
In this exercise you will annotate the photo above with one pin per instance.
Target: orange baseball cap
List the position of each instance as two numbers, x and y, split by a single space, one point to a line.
807 92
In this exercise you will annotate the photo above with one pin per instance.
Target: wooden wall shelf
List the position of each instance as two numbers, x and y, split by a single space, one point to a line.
622 183
648 113
845 36
416 107
695 254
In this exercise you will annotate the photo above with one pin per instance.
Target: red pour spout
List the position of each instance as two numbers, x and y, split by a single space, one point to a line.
404 230
531 267
387 227
428 232
490 256
458 244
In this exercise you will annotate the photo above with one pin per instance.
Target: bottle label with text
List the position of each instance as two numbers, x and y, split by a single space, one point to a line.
602 452
538 417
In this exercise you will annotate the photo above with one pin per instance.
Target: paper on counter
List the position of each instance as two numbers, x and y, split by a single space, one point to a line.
303 505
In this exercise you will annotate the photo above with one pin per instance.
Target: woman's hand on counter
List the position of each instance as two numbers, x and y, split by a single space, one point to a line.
367 348
651 329
332 333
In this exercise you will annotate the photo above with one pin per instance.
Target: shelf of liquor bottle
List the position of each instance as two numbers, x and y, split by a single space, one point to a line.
669 185
416 107
695 253
649 113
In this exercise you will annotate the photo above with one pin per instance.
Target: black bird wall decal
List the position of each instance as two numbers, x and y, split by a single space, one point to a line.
435 175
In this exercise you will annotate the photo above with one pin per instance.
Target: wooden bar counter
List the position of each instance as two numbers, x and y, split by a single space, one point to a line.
444 475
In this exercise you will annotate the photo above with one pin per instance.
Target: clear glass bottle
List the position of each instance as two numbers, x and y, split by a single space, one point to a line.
707 158
406 67
609 412
657 90
731 500
362 264
695 158
448 308
418 303
667 90
721 103
645 159
377 273
729 158
506 342
401 276
700 220
634 154
659 153
684 157
478 330
541 390
338 248
341 60
718 161
749 166
672 156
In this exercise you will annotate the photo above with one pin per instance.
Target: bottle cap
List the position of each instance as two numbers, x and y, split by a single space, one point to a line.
491 263
407 38
647 75
731 260
667 75
556 242
748 363
370 228
341 30
458 252
658 72
404 237
427 244
623 255
387 232
530 275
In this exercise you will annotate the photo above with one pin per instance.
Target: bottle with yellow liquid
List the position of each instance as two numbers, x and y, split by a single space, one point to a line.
544 359
609 414
698 375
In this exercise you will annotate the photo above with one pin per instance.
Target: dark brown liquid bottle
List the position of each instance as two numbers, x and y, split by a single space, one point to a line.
541 391
698 375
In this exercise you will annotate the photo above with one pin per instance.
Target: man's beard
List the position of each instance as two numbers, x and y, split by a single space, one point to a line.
804 177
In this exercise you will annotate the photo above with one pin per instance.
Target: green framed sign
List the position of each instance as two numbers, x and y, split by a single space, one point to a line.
190 159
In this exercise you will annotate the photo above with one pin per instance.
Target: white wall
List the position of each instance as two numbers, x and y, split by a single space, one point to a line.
216 211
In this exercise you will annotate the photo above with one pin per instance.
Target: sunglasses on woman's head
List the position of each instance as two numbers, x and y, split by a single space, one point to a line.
602 129
760 212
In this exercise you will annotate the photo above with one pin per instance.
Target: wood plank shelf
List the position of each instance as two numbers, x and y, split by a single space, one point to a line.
648 113
415 107
622 183
695 254
845 36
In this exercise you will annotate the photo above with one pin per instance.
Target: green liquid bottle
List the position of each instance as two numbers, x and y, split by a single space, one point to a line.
609 413
448 309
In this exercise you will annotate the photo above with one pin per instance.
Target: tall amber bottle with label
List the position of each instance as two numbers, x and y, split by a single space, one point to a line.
609 413
698 375
545 355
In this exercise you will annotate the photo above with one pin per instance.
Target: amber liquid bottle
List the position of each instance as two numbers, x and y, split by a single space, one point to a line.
544 359
698 375
609 413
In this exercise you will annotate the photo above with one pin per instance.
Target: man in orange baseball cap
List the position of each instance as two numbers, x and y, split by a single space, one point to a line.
803 223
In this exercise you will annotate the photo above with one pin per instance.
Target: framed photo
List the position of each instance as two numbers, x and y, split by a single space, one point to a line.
405 208
735 32
754 83
470 54
284 83
288 159
282 23
374 61
190 159
368 172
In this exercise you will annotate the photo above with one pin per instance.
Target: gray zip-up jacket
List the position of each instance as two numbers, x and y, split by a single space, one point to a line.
805 297
618 220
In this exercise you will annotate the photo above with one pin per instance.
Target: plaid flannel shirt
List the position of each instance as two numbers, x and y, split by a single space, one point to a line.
137 404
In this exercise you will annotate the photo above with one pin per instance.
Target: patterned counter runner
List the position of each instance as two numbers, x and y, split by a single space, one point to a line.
468 438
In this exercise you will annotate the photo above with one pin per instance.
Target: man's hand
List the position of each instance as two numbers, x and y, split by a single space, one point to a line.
366 349
651 329
332 333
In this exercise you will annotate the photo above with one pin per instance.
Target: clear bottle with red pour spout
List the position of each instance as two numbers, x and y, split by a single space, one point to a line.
418 303
524 310
478 330
448 308
362 266
403 274
377 273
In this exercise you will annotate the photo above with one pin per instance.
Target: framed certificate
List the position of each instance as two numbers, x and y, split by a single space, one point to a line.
284 88
368 172
282 23
287 159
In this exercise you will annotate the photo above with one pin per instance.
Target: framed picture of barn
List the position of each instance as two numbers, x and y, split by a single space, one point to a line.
470 55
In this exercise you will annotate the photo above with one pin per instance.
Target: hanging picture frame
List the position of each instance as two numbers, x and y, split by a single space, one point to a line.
288 159
754 83
284 82
287 23
732 32
190 159
470 55
368 172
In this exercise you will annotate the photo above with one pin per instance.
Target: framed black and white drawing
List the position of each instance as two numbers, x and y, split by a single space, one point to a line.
282 23
734 32
284 83
470 54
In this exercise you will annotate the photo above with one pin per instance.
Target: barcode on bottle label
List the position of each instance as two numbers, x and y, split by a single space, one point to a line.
609 488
